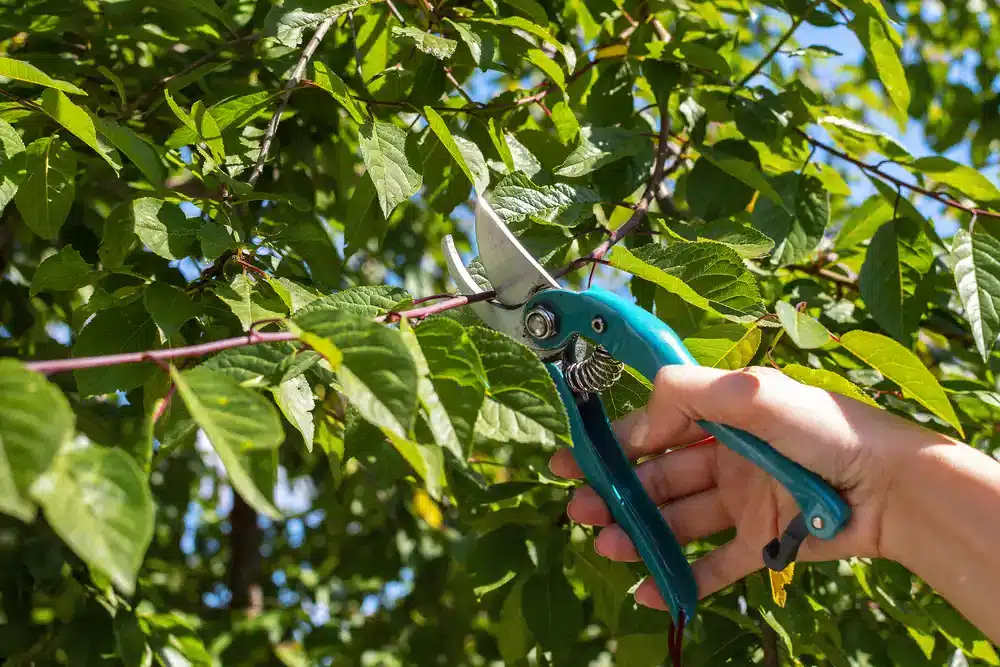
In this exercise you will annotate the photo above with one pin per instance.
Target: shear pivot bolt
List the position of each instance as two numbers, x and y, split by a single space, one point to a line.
817 522
598 324
540 323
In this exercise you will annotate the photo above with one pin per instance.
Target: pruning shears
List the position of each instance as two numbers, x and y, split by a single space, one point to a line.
533 308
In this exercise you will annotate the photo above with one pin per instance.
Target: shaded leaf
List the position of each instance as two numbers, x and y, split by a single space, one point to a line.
49 187
251 301
600 146
164 228
35 421
115 331
798 226
384 150
898 258
12 163
466 155
169 306
333 84
62 272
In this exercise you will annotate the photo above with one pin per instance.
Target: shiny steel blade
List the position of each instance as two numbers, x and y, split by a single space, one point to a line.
511 270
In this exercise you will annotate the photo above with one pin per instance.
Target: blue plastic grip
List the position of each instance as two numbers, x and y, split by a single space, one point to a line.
610 473
643 341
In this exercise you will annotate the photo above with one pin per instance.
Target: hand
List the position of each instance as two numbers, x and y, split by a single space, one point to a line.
706 488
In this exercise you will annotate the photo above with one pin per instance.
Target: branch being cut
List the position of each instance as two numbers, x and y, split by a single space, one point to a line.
250 338
290 85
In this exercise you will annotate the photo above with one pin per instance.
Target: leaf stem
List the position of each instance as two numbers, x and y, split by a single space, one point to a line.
769 56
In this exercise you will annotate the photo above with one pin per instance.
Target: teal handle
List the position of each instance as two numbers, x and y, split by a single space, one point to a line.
643 341
610 473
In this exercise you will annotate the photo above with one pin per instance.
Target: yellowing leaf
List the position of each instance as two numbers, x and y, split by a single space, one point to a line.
904 368
779 580
427 509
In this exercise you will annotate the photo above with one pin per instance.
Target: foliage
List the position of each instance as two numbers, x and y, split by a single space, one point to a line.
269 179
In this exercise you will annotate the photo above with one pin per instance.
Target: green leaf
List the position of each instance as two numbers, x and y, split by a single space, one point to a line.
117 237
236 421
707 275
12 163
522 404
164 228
860 140
565 121
516 198
452 384
500 142
512 633
441 48
823 379
288 21
134 147
294 295
898 258
233 113
962 178
368 301
115 331
805 331
251 301
35 421
520 23
630 393
607 583
552 611
863 222
295 399
376 370
904 368
216 239
62 272
976 258
727 346
736 233
206 128
641 650
263 364
884 55
745 171
797 228
22 71
329 81
549 67
49 187
600 146
384 151
98 501
713 193
475 167
79 122
169 306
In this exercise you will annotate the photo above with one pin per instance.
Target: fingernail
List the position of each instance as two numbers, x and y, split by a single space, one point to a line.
639 432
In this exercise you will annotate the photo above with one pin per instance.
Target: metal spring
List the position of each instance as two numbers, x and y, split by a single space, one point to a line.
594 374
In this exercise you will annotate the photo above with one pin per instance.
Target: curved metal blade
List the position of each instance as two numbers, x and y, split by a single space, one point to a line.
511 270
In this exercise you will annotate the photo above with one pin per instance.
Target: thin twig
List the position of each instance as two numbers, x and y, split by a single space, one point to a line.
641 208
161 407
426 311
769 56
290 85
939 197
145 98
395 12
458 86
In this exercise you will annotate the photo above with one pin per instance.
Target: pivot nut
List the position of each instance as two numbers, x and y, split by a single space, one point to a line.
540 323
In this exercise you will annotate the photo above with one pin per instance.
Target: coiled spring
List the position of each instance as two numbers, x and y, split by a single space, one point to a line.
594 374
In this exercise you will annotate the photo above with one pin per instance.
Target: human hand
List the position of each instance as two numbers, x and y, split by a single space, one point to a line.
707 488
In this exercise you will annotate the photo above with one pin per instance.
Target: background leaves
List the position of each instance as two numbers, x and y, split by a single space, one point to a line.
208 179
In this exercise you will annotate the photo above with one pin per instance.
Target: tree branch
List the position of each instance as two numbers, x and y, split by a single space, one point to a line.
769 56
250 338
290 85
874 170
641 208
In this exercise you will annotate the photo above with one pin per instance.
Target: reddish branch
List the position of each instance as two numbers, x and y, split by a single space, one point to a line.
898 182
641 208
